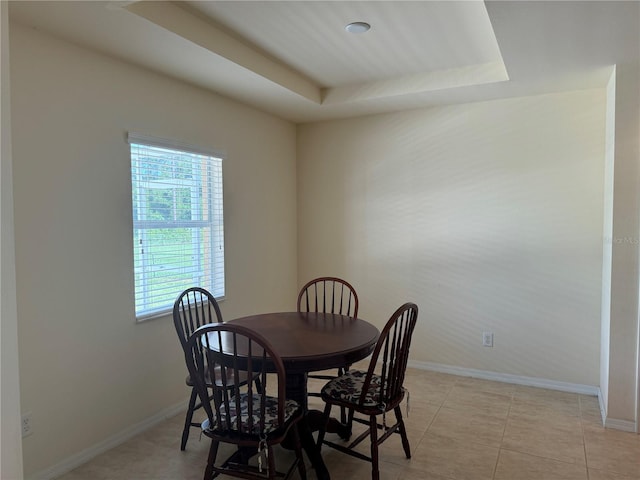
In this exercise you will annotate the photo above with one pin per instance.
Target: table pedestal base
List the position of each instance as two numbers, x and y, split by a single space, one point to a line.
315 419
296 389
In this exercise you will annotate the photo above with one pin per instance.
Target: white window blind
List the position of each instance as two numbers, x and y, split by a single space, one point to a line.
178 230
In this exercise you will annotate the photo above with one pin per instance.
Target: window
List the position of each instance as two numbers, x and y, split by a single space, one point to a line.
178 231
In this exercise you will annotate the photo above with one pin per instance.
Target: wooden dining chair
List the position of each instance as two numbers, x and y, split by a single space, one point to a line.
192 309
329 295
376 391
237 413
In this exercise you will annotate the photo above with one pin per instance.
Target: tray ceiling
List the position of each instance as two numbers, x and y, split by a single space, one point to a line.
295 59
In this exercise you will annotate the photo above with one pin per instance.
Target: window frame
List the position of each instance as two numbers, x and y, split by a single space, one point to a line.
215 222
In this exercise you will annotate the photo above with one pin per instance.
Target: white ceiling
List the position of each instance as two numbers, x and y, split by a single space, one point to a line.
294 58
406 38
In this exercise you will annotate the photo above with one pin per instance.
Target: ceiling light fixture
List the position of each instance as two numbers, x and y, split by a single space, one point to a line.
357 27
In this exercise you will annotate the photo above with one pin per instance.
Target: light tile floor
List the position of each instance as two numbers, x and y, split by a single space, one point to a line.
459 428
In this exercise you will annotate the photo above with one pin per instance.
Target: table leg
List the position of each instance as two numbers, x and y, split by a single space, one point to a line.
296 389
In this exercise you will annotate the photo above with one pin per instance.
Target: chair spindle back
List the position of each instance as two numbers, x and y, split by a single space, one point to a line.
194 308
328 295
235 351
392 352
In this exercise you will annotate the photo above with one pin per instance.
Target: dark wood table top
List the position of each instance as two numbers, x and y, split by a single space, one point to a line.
309 341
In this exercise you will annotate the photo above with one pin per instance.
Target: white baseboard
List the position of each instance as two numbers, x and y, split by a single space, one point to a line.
507 378
613 423
624 425
603 408
87 454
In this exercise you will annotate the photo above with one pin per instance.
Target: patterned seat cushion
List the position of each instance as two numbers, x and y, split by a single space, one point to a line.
271 413
348 388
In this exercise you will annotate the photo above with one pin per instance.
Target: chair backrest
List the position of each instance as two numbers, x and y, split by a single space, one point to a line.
192 309
328 295
391 355
234 350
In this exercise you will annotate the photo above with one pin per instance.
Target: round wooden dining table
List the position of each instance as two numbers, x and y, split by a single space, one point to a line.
307 342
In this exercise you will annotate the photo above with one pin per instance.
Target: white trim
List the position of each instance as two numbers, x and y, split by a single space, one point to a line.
637 422
173 145
161 313
507 378
194 182
165 312
603 411
108 443
624 425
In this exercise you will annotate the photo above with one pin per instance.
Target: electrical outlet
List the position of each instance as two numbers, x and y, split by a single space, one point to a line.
487 339
27 424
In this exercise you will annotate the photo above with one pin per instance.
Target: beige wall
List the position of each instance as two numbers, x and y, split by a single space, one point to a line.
488 215
88 371
10 444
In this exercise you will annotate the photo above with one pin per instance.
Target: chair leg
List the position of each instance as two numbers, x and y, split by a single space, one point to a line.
258 383
343 411
403 431
188 419
271 464
211 461
348 424
373 431
302 469
323 425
